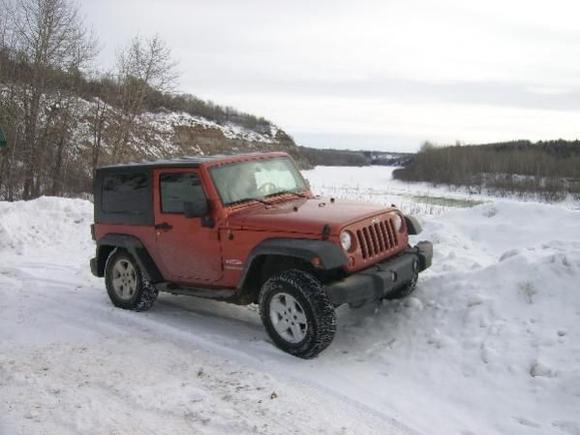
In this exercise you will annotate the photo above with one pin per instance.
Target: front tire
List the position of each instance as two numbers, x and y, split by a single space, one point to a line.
297 314
125 284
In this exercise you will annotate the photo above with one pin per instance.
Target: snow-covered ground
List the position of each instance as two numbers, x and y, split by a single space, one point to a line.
488 344
376 184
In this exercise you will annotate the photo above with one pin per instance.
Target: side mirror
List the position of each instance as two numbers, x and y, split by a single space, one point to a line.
196 208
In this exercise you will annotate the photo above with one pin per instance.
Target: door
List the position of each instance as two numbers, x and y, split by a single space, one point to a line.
189 251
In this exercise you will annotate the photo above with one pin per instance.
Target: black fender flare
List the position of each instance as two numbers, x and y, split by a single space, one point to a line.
413 225
135 247
330 254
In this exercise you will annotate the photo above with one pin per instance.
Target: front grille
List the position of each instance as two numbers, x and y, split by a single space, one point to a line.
377 238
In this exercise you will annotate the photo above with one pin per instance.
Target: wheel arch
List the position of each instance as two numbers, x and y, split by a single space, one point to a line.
276 255
133 245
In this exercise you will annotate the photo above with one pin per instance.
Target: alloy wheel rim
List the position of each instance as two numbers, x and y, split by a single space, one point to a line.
288 318
124 279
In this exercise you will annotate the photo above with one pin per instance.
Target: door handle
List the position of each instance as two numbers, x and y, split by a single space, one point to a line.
163 226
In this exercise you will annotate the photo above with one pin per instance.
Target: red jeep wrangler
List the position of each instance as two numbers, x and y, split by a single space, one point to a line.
247 229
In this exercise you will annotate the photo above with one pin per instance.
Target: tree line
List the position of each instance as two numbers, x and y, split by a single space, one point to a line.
548 168
46 55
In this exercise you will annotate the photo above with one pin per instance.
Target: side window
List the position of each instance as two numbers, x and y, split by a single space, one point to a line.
125 193
177 189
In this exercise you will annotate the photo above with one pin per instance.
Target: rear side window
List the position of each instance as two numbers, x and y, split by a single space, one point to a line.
126 193
177 189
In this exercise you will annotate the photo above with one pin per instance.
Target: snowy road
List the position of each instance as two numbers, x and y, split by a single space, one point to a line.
70 363
489 344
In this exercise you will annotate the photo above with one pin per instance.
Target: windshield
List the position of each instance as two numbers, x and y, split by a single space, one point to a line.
257 179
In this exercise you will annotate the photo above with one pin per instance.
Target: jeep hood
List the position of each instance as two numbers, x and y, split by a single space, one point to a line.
306 216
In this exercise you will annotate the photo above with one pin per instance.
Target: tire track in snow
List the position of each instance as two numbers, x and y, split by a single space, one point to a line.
71 305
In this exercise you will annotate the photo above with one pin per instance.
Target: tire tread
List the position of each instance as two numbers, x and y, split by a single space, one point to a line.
323 321
146 292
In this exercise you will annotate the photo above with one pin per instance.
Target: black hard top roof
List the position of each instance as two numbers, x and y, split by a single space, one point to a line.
186 161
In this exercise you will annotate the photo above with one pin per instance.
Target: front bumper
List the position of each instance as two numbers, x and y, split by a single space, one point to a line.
382 278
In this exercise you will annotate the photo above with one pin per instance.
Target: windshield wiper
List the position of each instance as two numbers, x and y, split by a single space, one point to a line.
282 192
250 199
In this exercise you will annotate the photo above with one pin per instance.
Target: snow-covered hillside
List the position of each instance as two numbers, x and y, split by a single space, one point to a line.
158 134
489 343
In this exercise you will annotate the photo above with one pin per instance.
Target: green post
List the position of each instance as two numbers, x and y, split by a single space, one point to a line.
3 142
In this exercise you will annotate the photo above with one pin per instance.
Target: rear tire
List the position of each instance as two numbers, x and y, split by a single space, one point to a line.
125 284
297 314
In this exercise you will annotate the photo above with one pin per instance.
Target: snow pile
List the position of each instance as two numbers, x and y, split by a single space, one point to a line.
51 226
488 344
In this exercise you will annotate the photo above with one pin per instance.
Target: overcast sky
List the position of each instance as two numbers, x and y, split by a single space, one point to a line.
370 74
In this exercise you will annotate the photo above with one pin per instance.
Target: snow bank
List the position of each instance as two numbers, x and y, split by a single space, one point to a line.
492 333
51 226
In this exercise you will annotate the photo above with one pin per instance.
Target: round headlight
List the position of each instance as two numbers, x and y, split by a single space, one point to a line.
397 222
345 240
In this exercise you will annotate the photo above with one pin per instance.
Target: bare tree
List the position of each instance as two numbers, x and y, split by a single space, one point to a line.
149 62
3 25
144 65
97 118
10 111
49 36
